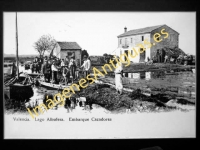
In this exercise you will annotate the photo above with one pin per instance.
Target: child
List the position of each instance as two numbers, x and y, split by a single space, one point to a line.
73 102
67 104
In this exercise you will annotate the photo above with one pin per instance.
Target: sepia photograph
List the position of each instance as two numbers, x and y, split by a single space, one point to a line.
99 75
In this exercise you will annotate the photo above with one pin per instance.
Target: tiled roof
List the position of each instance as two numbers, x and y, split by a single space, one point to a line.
69 45
140 31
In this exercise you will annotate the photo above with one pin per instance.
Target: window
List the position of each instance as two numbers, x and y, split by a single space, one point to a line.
142 38
125 41
70 53
131 40
120 41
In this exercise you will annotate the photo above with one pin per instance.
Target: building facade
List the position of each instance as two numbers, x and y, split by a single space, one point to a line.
64 49
131 40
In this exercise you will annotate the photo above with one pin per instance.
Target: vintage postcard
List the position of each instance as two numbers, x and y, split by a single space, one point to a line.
99 75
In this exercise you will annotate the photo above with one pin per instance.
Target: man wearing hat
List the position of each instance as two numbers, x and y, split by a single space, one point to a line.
35 64
46 68
72 66
86 65
54 69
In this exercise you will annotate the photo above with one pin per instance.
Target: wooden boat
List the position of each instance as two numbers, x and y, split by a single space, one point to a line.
20 92
34 75
57 86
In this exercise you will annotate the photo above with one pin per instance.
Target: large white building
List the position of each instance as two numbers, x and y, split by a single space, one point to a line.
130 39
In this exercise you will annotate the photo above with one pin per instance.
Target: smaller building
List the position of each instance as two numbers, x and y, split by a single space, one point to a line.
64 49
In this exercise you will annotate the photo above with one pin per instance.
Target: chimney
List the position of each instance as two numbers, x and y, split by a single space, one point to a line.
125 29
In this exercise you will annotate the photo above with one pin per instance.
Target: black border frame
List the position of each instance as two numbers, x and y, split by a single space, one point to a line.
101 5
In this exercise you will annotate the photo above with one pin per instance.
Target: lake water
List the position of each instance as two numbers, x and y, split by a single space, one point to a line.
183 80
41 91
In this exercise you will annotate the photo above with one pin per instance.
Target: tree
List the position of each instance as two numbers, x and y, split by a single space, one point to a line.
107 57
84 52
105 54
45 43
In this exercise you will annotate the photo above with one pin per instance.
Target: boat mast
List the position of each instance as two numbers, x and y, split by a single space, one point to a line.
17 59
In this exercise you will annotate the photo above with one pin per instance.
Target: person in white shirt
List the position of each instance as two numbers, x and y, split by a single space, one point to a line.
86 65
54 71
62 63
118 78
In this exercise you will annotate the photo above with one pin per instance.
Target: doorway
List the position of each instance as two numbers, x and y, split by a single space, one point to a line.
126 52
142 54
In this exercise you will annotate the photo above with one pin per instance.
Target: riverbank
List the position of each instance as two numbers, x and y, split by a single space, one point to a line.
141 67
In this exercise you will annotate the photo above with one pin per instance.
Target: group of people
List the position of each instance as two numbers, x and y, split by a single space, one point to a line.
72 102
55 69
160 57
35 66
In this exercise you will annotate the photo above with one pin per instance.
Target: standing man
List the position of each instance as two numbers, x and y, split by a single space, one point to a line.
40 62
72 66
118 77
86 65
46 68
66 74
54 72
66 60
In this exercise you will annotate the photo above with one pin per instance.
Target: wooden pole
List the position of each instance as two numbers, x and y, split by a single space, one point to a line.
17 59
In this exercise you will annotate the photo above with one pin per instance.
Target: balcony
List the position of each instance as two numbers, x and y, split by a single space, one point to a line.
125 46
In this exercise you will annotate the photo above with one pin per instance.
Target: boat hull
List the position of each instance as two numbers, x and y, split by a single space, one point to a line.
57 86
20 92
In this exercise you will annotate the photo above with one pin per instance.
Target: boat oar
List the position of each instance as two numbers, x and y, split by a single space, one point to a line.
10 81
24 80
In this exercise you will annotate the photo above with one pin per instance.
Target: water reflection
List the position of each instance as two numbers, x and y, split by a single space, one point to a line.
187 80
142 75
187 93
148 75
145 75
133 75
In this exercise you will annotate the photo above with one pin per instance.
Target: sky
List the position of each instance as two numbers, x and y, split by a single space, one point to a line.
95 32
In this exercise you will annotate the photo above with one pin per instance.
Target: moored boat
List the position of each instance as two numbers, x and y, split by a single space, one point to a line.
57 86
